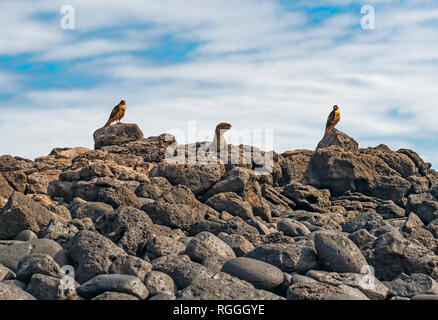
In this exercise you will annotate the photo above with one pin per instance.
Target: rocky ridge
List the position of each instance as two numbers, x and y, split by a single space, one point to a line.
122 223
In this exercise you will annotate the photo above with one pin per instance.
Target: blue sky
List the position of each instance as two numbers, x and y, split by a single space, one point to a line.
277 64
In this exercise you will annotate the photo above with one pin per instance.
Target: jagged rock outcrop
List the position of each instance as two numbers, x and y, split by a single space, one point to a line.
5 191
338 138
340 171
134 223
116 135
22 213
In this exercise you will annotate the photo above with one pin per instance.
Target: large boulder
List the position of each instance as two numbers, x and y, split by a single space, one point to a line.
154 188
160 283
119 196
240 245
428 211
368 221
92 254
162 245
307 197
177 208
338 138
93 210
398 161
415 200
388 209
10 256
286 257
39 181
294 168
410 286
131 265
45 287
422 166
392 254
12 292
62 232
38 264
198 178
182 270
292 228
9 163
115 283
17 179
22 213
231 203
366 282
151 149
238 180
6 273
340 171
128 227
116 135
339 252
223 286
260 274
206 245
84 170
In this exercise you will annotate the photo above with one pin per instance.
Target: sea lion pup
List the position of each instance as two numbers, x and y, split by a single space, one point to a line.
333 119
117 114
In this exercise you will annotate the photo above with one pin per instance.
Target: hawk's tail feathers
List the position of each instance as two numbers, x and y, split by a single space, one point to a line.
108 123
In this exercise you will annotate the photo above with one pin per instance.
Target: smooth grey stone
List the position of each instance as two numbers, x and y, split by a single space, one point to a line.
160 283
113 282
339 252
261 274
11 255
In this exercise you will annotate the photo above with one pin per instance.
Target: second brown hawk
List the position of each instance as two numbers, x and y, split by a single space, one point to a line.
333 119
118 113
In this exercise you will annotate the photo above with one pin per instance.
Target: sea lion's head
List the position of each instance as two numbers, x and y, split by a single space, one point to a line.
223 126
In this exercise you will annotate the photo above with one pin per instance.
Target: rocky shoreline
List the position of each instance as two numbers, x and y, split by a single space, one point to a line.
122 223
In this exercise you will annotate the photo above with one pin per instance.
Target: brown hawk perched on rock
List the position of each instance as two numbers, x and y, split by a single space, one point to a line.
117 113
333 119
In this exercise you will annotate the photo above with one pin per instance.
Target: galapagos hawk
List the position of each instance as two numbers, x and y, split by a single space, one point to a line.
333 119
117 113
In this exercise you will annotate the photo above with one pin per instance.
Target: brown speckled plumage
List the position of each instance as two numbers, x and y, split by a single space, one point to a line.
118 113
333 119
